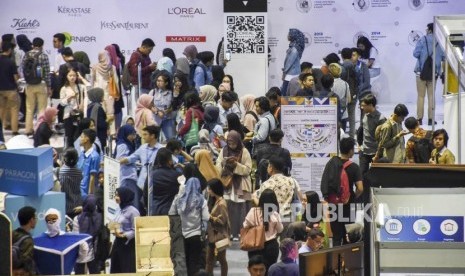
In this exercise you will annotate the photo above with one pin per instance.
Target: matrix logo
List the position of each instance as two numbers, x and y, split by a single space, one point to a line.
304 6
20 24
73 11
414 37
416 4
183 38
361 5
69 38
186 12
358 35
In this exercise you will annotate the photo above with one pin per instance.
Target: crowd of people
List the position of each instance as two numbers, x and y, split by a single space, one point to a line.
212 158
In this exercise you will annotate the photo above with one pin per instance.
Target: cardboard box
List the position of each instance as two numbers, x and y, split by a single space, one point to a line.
26 171
49 200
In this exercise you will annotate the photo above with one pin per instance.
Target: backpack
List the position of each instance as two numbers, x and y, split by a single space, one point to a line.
261 174
192 68
423 148
335 181
16 251
426 73
32 70
126 77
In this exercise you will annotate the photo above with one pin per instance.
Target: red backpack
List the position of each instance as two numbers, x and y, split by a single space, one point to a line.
343 195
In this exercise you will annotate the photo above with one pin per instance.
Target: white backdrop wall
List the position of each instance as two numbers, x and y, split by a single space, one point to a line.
329 26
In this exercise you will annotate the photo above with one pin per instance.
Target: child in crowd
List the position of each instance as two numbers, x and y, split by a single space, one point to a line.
70 178
441 154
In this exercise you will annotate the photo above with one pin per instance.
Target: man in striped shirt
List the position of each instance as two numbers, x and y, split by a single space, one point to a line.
70 178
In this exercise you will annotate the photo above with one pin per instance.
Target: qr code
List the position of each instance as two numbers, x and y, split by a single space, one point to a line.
246 34
112 185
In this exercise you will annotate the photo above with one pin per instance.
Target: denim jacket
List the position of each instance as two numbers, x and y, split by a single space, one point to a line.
421 53
292 62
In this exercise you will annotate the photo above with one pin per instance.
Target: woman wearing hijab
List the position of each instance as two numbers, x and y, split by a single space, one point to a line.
203 160
291 67
207 95
123 259
43 130
250 117
96 112
101 73
191 206
234 160
211 123
88 222
194 111
125 146
115 60
205 144
144 114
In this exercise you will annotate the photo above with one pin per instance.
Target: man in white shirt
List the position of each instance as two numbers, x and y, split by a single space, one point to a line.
315 239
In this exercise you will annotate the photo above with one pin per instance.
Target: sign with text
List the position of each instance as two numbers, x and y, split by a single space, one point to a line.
310 127
27 172
110 184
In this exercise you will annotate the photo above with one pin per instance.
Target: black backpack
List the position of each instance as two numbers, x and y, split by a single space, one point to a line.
426 73
126 78
423 148
32 71
16 251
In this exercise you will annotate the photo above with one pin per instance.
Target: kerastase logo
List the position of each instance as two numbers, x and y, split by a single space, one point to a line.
113 25
186 12
25 24
74 11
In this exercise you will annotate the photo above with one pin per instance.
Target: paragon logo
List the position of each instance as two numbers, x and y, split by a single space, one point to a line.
22 175
361 5
25 24
73 11
304 6
183 38
186 12
113 25
416 4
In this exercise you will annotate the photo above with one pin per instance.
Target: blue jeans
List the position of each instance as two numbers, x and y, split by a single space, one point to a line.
284 88
167 126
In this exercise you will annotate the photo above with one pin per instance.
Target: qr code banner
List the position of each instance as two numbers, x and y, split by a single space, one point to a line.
111 175
246 34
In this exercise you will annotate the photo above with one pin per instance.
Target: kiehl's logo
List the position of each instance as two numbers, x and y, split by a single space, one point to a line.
25 24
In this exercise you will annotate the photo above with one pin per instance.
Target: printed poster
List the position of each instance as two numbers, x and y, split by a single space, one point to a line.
110 184
310 134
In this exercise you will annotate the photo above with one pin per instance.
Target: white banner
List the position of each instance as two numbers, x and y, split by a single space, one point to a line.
329 25
310 128
110 184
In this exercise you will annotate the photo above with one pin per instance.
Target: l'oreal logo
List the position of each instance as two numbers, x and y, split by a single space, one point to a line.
185 11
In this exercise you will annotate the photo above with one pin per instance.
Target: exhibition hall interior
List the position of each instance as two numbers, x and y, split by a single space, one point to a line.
231 137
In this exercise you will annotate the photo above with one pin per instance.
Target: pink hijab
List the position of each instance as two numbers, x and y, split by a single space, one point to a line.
226 86
248 102
143 104
46 116
114 59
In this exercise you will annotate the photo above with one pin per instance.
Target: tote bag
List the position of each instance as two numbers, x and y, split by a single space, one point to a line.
192 136
253 238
